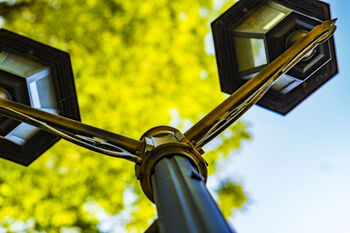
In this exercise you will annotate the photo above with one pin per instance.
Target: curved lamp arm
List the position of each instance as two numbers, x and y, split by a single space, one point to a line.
95 139
252 91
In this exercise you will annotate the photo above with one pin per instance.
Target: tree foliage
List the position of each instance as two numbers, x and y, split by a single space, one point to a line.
137 64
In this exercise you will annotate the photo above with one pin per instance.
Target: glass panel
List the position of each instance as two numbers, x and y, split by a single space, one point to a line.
250 53
264 18
21 133
19 65
43 93
285 84
47 92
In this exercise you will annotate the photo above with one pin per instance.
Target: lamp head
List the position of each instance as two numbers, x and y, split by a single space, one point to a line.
252 33
39 76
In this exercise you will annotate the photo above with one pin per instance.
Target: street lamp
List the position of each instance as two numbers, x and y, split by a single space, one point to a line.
251 34
168 163
39 76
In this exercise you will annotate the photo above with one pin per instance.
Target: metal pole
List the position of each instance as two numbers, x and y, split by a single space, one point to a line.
183 201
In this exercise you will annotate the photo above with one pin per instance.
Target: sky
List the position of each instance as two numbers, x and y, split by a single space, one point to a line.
296 168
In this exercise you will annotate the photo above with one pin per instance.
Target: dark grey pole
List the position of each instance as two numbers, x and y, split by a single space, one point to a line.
183 201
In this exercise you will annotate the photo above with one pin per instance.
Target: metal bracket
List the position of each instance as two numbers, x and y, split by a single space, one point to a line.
164 141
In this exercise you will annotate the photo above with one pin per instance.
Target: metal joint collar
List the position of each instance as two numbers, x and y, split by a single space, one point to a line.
165 141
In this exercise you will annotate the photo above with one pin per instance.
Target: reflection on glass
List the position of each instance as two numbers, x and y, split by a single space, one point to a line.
21 133
285 84
19 65
42 93
250 53
264 18
4 94
274 21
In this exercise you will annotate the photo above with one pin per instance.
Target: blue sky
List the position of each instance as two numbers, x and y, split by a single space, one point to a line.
296 169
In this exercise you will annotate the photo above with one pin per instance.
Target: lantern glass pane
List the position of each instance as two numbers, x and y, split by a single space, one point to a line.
264 18
250 53
19 65
285 84
21 133
46 94
42 92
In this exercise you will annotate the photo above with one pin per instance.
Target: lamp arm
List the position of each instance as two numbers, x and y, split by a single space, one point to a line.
252 91
95 139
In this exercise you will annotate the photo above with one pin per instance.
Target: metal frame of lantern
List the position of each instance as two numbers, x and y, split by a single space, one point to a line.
25 67
301 80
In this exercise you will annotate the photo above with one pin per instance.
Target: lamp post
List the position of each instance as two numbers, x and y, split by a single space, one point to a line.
168 163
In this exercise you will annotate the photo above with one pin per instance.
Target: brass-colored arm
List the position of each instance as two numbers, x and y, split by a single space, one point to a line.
73 131
246 96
